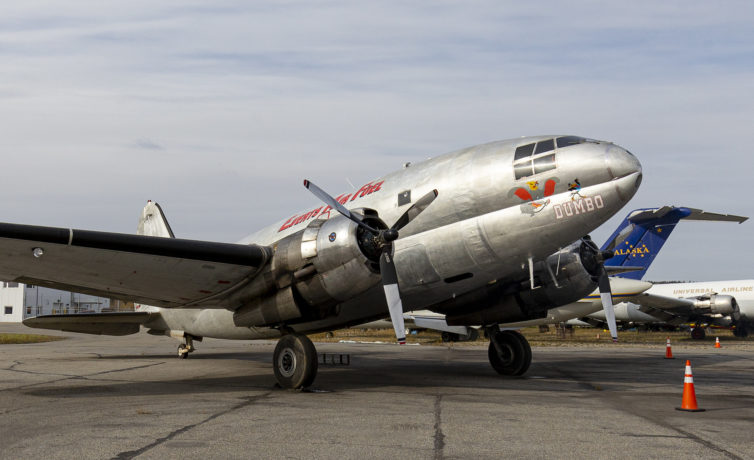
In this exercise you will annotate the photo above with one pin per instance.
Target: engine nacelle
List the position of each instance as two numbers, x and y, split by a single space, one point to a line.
562 278
717 305
311 272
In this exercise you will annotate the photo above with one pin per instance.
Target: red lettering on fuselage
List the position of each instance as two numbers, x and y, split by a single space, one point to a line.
365 190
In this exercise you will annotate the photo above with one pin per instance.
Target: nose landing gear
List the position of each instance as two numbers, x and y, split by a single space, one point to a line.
509 352
187 346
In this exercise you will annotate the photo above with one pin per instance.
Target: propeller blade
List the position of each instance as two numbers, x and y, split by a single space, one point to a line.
607 303
416 209
330 201
392 293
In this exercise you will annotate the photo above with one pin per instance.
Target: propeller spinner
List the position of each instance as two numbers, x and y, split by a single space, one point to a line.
384 238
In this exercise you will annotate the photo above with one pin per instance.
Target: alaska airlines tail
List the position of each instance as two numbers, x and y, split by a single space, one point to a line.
639 238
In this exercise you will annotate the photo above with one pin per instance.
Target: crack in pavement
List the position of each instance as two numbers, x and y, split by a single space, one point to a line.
439 436
127 455
635 412
68 376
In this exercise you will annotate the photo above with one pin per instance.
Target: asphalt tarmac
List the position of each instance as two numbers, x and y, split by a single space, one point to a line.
130 397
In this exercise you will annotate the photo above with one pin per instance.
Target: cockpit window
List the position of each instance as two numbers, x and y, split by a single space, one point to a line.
545 146
544 163
523 151
529 160
566 141
522 169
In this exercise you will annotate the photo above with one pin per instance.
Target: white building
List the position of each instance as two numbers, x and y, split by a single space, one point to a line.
19 301
11 302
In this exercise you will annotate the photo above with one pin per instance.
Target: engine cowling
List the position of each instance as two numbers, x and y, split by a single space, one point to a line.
562 278
311 272
717 305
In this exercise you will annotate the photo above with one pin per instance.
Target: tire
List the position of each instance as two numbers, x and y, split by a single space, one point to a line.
698 333
448 337
516 353
295 361
741 330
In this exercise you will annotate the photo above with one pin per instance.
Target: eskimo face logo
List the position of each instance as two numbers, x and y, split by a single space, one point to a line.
331 236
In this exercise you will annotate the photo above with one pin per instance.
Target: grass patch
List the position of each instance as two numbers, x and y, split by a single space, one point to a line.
6 339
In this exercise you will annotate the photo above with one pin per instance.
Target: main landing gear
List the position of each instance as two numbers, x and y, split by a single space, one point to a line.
697 333
509 352
741 330
295 361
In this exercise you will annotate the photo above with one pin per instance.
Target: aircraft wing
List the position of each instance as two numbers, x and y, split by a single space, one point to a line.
668 309
166 272
123 323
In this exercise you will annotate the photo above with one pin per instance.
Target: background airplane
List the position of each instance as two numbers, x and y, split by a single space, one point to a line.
646 231
472 234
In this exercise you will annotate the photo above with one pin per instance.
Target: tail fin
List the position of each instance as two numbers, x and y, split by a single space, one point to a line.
639 238
152 222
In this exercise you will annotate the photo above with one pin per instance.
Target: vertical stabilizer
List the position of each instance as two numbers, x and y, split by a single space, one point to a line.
152 222
639 238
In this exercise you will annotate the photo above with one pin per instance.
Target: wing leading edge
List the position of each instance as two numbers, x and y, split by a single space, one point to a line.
167 272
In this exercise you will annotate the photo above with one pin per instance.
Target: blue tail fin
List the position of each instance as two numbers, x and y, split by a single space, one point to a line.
649 229
639 238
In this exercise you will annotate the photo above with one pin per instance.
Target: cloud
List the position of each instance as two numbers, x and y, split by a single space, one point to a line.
251 98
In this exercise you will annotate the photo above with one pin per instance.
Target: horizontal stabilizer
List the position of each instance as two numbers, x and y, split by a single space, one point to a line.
123 323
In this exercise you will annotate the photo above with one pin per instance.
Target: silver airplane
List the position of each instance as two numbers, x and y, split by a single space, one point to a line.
486 235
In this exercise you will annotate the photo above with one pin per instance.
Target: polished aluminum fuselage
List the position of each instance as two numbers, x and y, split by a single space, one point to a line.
481 229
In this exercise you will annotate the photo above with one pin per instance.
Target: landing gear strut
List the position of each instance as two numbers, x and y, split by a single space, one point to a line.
295 361
509 352
187 346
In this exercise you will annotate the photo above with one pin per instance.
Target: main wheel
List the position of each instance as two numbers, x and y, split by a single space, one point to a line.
698 333
295 361
509 353
448 336
741 330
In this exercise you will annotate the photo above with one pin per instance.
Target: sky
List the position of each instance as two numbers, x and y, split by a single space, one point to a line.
218 110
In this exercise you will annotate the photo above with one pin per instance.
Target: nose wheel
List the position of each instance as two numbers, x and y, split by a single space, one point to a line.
509 352
186 347
295 361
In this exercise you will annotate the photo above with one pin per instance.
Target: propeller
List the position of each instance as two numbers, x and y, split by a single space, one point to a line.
603 283
384 238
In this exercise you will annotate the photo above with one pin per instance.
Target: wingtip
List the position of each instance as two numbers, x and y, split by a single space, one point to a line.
306 183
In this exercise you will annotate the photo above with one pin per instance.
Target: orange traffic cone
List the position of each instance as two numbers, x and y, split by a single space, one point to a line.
689 396
668 351
717 342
